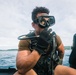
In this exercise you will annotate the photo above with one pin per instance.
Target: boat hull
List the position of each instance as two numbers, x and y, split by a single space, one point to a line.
9 71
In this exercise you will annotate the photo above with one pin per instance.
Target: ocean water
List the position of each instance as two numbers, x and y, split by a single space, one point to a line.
8 58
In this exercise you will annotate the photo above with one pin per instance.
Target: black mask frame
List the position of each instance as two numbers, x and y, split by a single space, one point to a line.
45 21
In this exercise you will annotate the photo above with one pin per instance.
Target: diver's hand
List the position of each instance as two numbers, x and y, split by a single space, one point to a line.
42 44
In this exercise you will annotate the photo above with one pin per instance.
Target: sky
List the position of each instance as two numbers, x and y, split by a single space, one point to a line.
15 19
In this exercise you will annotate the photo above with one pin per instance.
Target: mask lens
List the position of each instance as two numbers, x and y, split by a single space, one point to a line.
51 20
42 22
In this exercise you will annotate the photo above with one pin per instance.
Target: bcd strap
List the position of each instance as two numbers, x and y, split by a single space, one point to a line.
46 64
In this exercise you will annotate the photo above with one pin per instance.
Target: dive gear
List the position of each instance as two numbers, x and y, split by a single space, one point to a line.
45 21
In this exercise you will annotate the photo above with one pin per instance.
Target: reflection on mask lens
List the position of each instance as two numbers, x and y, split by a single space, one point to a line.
42 22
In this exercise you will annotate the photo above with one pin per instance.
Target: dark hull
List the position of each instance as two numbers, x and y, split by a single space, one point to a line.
9 71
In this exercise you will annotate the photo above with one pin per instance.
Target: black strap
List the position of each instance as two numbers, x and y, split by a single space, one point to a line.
53 52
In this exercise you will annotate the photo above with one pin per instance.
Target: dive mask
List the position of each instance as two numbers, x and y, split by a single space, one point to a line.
45 21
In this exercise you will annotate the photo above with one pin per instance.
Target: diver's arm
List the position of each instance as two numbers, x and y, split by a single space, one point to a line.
60 47
61 51
26 60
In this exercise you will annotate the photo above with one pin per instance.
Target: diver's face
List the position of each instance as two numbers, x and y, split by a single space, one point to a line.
36 26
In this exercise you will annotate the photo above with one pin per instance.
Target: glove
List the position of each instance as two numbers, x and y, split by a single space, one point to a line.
46 34
42 43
